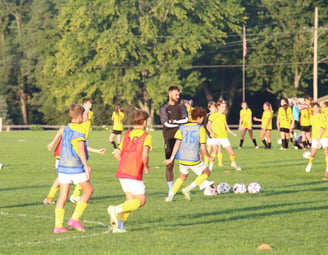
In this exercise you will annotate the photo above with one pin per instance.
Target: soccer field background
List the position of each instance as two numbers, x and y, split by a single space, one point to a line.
290 213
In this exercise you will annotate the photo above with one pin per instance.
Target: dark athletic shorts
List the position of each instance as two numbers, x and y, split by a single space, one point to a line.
285 130
116 132
305 128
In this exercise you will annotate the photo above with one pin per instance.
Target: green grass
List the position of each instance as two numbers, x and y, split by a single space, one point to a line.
289 214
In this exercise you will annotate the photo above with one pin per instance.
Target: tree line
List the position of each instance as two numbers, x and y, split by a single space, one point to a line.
53 53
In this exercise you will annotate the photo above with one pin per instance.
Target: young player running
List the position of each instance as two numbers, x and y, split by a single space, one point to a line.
210 141
319 136
219 129
73 167
133 157
190 138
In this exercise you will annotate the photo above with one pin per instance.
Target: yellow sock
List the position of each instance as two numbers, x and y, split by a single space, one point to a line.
59 217
130 205
52 194
77 191
220 156
200 179
79 209
206 160
311 160
123 216
233 158
326 159
177 185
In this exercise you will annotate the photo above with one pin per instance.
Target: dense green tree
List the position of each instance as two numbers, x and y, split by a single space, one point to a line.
280 45
132 51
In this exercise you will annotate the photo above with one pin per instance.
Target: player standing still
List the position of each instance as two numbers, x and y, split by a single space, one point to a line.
172 115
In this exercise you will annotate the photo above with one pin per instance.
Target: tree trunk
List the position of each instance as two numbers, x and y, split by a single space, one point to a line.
207 91
297 78
150 110
22 98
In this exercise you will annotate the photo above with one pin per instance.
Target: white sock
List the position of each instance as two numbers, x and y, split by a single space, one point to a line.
191 186
118 209
170 185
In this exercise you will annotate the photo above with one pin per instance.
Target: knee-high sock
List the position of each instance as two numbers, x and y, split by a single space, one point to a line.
77 191
59 217
79 209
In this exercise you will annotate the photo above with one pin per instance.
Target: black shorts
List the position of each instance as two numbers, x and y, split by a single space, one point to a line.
169 141
296 124
285 130
305 128
116 132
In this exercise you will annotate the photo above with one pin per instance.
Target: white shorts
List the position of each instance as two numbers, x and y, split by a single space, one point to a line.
211 141
323 143
72 178
222 141
197 169
135 187
57 163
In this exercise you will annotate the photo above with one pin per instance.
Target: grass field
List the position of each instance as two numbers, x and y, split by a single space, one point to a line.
289 214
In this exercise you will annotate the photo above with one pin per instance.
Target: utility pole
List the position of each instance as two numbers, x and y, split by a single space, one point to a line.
244 55
315 58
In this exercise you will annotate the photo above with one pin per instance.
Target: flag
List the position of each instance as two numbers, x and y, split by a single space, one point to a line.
244 43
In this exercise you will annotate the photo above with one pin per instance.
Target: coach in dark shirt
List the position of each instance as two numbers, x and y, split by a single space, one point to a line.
172 115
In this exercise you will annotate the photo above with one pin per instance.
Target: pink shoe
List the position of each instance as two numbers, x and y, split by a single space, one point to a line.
76 224
60 230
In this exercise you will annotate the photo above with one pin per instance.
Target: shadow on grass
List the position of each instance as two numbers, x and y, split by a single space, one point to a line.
275 211
280 192
24 187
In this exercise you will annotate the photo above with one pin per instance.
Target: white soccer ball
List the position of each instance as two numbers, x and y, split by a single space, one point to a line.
306 154
254 187
223 187
210 191
279 141
1 166
239 188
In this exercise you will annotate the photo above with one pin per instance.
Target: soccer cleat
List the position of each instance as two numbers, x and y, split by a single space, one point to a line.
60 230
73 199
308 168
113 217
47 202
235 166
186 193
168 199
76 224
256 147
119 230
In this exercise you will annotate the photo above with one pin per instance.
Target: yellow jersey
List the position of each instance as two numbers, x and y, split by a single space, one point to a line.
87 124
218 125
267 117
305 115
285 117
118 121
246 118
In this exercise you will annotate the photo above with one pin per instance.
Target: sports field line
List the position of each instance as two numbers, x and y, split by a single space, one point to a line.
66 238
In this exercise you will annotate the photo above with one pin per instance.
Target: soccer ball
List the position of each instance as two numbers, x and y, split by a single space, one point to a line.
223 187
279 141
254 187
239 188
1 166
210 191
306 154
